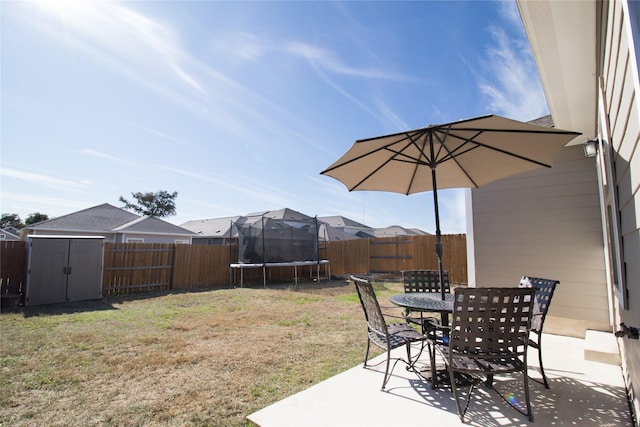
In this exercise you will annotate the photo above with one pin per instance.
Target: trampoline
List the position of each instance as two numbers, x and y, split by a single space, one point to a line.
294 264
265 242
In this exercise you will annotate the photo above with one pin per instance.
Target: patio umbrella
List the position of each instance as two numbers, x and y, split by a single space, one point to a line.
463 154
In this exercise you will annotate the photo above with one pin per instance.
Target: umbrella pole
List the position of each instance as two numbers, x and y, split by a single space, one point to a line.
438 235
437 212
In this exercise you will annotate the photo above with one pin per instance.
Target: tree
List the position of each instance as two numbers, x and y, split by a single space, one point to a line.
158 204
36 217
11 220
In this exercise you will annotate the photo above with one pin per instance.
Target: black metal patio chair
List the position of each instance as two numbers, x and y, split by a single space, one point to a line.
544 292
489 336
387 336
423 281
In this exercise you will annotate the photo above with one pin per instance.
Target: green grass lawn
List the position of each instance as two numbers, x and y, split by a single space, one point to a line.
201 358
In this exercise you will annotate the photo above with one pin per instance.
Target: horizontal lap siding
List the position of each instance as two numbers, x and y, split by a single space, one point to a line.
620 87
545 223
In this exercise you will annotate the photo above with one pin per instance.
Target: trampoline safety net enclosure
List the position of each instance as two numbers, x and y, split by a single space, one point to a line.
268 242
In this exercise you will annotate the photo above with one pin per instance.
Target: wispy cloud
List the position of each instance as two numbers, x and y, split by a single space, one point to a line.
45 180
253 190
115 34
391 116
342 91
159 38
244 45
54 206
328 61
105 156
157 133
150 53
515 91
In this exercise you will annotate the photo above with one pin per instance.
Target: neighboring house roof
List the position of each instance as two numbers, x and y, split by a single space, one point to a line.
419 232
543 121
330 228
327 233
106 218
212 227
10 233
101 218
341 221
12 230
284 214
395 230
347 225
152 225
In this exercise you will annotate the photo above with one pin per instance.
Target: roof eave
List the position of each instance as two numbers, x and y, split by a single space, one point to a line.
564 40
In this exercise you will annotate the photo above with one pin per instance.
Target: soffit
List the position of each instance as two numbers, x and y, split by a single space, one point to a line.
563 40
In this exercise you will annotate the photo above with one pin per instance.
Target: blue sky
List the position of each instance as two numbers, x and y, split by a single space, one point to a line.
238 106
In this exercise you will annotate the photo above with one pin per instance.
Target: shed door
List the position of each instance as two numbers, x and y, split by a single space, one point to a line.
85 269
47 281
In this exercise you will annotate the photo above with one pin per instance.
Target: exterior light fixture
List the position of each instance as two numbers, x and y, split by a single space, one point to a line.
590 148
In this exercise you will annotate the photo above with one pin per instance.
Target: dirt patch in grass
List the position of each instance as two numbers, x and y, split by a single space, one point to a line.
202 358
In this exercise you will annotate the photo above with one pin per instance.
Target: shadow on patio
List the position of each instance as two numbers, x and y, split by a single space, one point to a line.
582 393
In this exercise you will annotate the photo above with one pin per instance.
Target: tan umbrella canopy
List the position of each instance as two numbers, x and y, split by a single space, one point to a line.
465 154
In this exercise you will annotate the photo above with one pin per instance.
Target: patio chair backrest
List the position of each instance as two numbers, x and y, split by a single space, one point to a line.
424 281
490 322
370 306
544 292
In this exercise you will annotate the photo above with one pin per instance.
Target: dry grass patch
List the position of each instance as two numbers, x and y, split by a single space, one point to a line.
176 359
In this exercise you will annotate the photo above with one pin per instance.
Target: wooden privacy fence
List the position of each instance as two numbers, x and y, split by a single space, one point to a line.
394 254
133 267
12 266
139 267
136 267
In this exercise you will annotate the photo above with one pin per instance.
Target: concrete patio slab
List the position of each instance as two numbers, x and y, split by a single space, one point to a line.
582 393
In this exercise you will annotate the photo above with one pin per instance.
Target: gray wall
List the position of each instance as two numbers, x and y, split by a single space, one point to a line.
546 223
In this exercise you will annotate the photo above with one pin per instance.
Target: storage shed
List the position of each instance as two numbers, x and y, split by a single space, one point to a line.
64 269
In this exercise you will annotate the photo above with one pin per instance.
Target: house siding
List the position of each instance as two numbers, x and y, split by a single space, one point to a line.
108 237
546 223
152 238
620 126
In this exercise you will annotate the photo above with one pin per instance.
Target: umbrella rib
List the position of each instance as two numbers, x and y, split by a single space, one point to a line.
441 140
368 153
489 147
545 130
453 156
419 162
383 164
